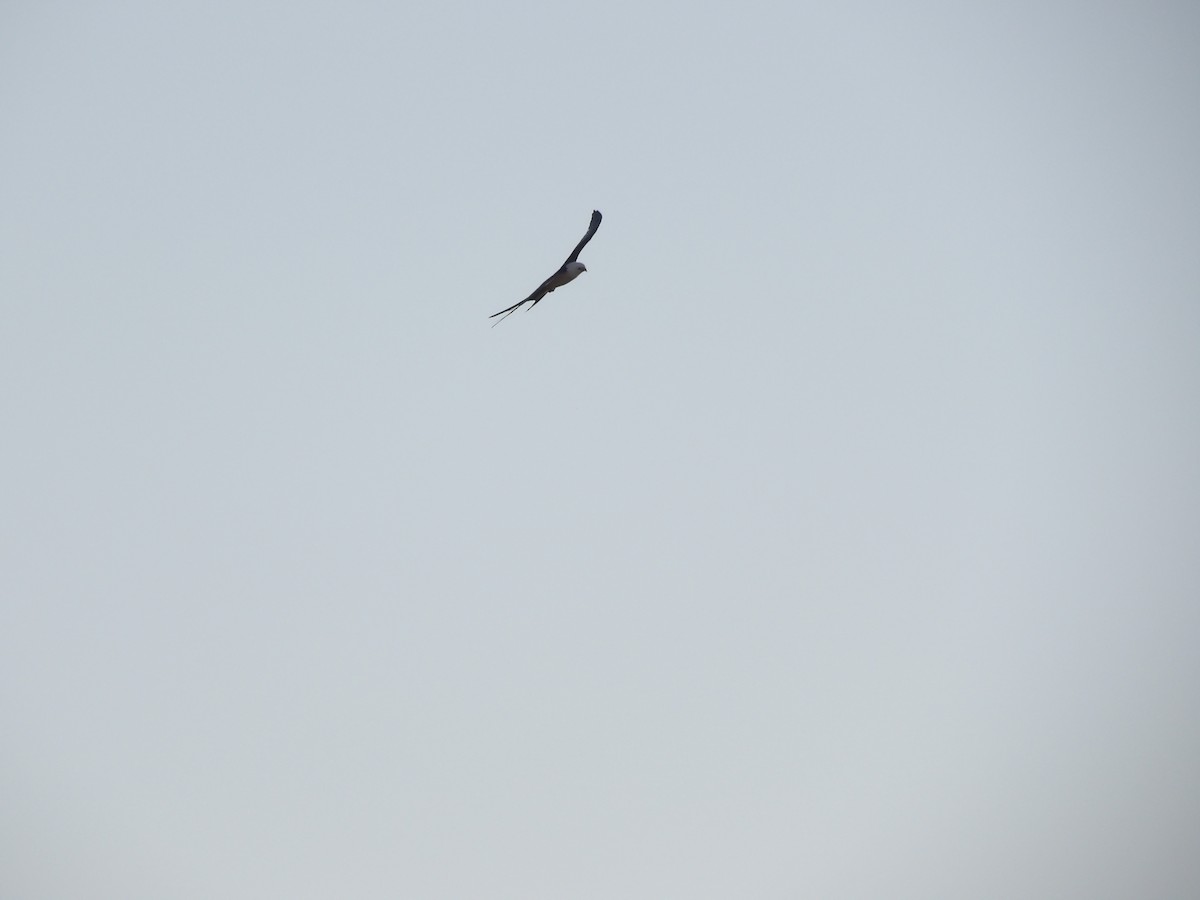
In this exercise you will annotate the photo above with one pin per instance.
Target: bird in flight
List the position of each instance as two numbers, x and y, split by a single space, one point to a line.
568 271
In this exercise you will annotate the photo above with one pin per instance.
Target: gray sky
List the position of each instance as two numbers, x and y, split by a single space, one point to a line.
834 536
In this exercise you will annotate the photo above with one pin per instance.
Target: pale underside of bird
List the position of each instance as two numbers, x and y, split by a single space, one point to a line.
568 271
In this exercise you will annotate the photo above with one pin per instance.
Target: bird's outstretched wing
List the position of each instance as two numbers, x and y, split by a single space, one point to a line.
592 229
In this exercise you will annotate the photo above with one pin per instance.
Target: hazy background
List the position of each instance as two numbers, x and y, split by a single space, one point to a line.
835 536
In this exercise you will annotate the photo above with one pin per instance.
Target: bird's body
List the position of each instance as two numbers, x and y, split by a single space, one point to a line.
568 271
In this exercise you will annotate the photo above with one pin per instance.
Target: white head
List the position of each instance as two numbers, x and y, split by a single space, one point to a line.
575 268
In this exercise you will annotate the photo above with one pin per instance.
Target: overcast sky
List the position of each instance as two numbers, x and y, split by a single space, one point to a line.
836 535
